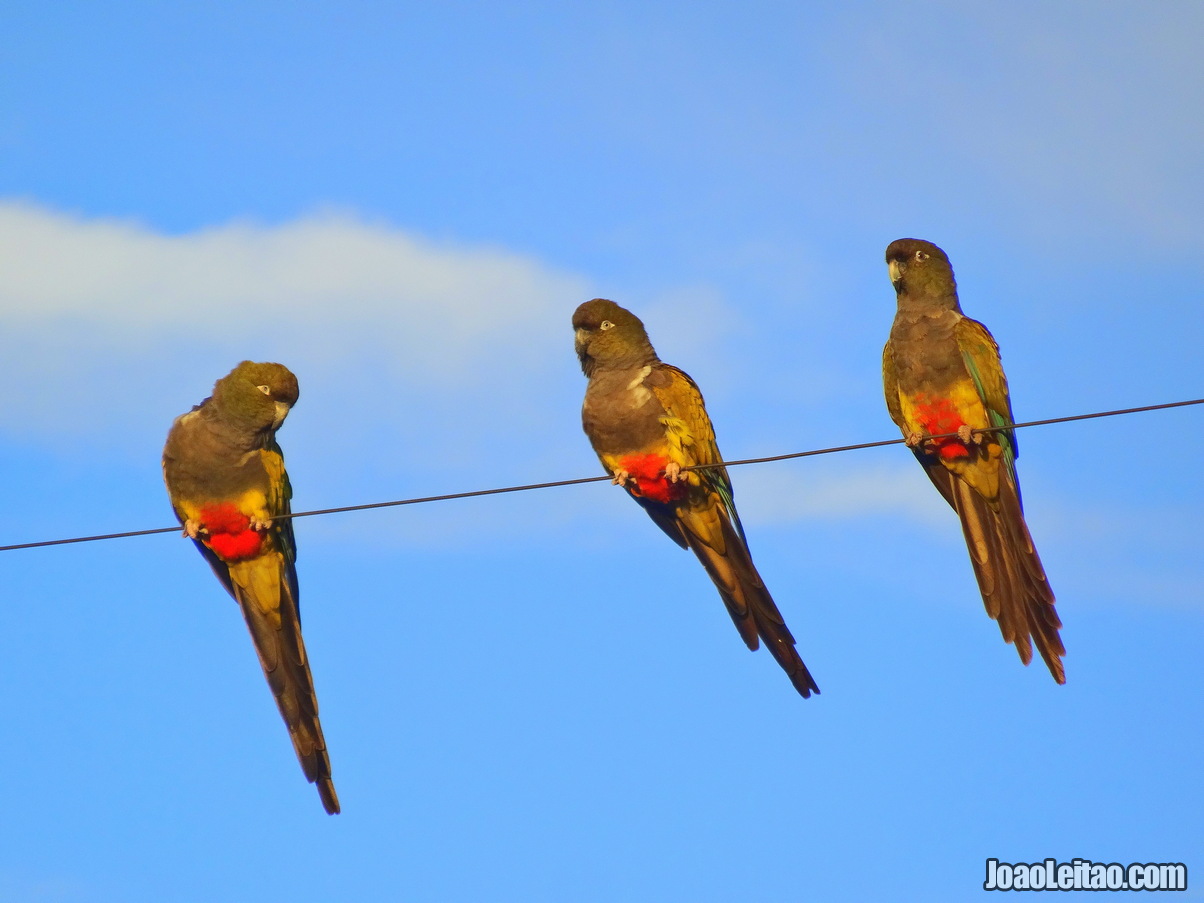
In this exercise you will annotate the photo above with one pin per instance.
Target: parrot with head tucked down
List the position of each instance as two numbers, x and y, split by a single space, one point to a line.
942 374
226 479
647 422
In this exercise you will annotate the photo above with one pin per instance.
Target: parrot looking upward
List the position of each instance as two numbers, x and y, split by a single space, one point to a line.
941 374
646 421
226 479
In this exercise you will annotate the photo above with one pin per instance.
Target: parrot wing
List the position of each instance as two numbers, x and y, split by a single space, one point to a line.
981 355
707 520
890 387
691 435
279 502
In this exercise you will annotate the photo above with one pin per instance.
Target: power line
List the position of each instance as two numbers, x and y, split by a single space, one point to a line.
480 492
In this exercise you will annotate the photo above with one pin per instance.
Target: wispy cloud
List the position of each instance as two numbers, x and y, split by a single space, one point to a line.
774 494
325 269
107 320
425 367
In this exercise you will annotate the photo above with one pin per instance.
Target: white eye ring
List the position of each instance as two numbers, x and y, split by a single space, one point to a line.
266 390
920 255
606 324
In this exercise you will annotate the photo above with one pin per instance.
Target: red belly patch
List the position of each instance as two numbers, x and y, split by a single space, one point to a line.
230 533
647 479
938 417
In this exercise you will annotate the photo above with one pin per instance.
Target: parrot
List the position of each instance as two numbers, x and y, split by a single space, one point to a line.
228 487
647 422
941 373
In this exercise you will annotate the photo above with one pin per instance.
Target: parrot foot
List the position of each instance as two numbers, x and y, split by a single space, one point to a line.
912 440
966 434
193 529
620 478
259 524
673 472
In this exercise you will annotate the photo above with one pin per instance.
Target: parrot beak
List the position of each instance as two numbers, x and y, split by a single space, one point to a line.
579 340
896 273
282 409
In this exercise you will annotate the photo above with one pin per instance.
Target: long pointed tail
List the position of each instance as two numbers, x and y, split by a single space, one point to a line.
270 610
730 567
1014 587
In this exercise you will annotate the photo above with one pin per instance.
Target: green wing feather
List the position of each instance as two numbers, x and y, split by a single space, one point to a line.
690 428
280 497
890 387
280 494
981 355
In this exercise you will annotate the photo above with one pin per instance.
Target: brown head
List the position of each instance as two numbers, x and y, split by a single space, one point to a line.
610 337
256 396
919 269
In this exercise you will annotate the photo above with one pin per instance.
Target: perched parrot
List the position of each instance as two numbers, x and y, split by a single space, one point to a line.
646 421
941 374
226 479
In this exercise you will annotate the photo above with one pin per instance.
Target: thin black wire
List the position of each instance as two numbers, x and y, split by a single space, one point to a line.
479 492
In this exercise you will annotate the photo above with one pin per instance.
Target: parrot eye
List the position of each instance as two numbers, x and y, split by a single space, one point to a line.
920 255
606 324
266 390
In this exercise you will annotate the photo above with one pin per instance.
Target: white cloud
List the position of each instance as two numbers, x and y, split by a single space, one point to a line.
92 306
783 493
424 367
324 272
456 361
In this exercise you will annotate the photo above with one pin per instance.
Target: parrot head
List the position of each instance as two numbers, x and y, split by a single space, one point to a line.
608 335
920 268
257 396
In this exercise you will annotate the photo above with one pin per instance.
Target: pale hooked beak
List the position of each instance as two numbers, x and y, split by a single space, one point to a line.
579 339
282 409
896 273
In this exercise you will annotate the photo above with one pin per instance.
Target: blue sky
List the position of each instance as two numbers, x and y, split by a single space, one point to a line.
538 696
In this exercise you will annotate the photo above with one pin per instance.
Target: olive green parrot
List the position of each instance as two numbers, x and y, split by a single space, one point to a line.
226 479
941 374
647 422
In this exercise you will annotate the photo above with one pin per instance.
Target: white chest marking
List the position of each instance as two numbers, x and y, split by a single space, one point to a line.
639 394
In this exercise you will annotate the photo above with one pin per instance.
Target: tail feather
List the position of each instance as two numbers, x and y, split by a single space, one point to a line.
752 609
269 606
1014 587
1043 619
